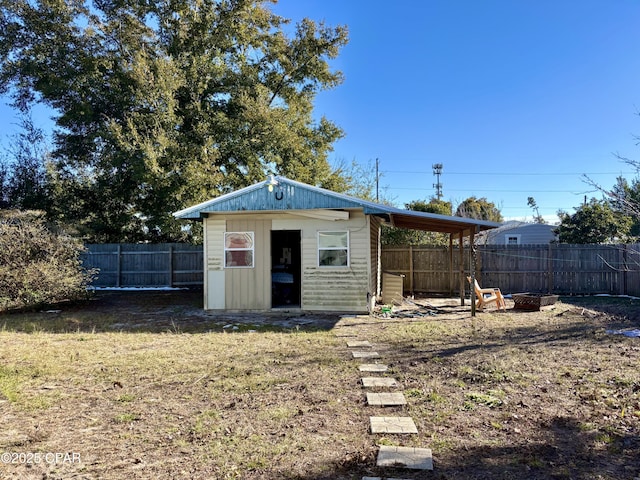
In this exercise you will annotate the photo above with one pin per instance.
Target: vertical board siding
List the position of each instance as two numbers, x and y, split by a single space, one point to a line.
250 288
558 268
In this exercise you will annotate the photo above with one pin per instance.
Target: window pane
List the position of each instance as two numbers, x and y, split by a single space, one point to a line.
238 258
332 240
336 258
238 240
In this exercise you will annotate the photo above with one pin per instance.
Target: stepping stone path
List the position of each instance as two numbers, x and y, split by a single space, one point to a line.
386 399
363 354
416 458
388 456
373 368
381 478
392 425
379 382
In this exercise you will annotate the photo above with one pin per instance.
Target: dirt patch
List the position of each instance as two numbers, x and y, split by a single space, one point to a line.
150 386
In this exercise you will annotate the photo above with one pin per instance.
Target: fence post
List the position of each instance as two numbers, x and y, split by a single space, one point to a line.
549 269
411 269
461 267
624 269
119 266
170 266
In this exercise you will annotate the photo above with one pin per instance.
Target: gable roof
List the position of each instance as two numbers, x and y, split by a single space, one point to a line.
289 195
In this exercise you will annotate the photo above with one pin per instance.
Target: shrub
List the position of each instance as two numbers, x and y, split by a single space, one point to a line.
38 266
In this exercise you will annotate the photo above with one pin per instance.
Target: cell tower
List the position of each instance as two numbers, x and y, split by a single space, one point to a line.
437 171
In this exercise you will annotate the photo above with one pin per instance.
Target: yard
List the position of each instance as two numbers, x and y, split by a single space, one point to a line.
146 385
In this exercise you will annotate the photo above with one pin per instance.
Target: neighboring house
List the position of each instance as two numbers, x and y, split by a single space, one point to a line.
519 233
285 244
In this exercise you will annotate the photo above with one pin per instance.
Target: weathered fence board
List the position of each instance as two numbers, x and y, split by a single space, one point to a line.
145 265
556 268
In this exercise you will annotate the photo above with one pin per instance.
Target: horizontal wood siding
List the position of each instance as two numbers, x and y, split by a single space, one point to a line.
215 227
214 287
333 288
375 286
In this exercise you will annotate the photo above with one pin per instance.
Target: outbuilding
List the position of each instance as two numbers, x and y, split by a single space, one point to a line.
282 244
520 233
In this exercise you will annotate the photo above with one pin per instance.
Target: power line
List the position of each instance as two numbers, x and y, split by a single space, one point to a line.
524 174
488 190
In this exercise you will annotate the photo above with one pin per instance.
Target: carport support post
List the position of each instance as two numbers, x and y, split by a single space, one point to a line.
472 267
451 277
461 265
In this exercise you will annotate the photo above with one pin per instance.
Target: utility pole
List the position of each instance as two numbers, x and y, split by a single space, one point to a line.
377 182
437 171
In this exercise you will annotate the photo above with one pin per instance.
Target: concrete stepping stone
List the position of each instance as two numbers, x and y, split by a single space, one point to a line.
358 343
363 354
346 335
373 368
381 478
407 457
379 382
386 399
392 425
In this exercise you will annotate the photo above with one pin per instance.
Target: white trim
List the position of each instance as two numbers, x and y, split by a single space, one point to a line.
318 249
252 249
508 236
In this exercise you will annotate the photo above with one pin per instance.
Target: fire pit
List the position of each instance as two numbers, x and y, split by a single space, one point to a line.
533 301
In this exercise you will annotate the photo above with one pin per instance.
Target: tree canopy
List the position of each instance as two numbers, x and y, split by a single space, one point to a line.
479 209
593 222
163 104
403 236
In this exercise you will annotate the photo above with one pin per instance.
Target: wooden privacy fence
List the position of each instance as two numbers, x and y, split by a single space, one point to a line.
145 265
558 268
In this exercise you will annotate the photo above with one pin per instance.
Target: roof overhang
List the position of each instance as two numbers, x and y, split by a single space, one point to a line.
291 196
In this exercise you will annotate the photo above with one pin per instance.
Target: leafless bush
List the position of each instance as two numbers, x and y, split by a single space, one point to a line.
38 266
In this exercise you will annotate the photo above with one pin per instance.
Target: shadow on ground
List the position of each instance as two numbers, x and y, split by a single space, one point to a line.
178 311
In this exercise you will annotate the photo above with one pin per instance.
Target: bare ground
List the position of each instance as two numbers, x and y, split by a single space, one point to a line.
147 385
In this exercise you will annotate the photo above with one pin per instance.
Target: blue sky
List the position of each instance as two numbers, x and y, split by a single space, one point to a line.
514 98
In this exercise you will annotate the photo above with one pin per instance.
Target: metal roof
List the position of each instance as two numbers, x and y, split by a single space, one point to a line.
286 195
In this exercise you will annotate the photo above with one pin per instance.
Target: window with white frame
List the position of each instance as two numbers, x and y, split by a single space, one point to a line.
238 249
333 249
512 239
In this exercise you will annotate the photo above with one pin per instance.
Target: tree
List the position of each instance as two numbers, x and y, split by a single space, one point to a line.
593 222
360 181
402 236
26 183
479 209
537 218
4 181
625 200
164 104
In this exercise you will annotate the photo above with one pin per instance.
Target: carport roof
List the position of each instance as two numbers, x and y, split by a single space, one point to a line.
287 195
